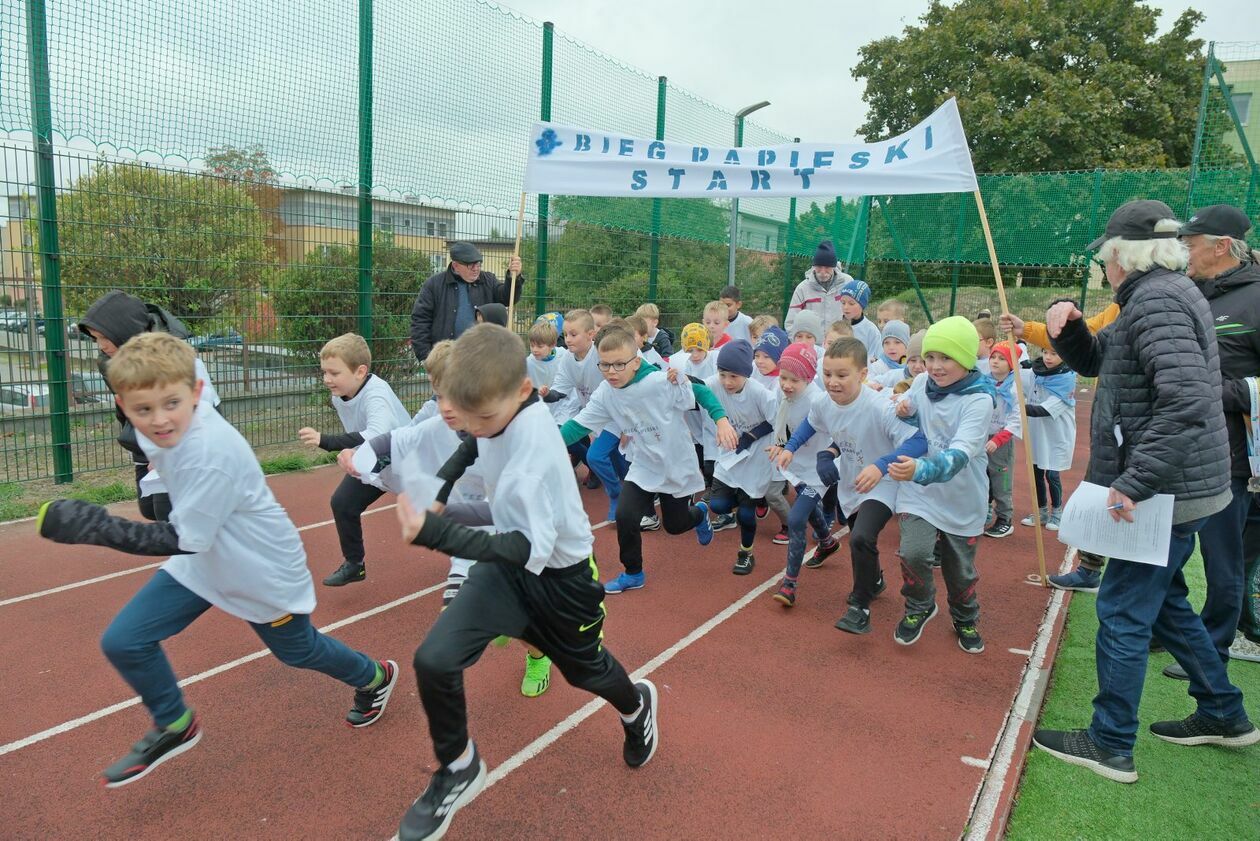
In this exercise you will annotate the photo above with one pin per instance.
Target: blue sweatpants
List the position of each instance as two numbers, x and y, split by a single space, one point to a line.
164 607
608 463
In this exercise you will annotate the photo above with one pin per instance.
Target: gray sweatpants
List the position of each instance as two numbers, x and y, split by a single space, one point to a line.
958 567
776 499
1001 461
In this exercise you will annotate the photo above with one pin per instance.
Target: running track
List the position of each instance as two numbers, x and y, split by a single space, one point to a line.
773 723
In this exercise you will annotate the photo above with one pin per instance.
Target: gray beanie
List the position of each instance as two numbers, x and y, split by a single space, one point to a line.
809 322
896 329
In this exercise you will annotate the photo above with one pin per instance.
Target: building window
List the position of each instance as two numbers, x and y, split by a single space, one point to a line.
1242 105
387 223
429 228
441 229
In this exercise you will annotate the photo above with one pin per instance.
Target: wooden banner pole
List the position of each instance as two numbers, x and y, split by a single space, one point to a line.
516 252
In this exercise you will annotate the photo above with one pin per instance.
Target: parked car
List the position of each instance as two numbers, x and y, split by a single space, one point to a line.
218 339
24 396
22 323
90 387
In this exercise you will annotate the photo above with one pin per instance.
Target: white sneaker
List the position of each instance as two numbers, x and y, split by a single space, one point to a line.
650 523
1244 649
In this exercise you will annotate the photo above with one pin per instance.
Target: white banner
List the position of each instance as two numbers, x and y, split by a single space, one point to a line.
930 158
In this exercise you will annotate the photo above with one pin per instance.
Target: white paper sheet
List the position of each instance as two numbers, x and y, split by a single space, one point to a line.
420 487
365 462
730 458
152 484
1087 524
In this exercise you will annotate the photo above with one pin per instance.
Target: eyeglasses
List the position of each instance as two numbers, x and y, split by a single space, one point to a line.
469 265
613 366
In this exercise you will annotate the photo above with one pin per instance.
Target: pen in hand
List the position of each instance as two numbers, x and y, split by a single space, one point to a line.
1117 507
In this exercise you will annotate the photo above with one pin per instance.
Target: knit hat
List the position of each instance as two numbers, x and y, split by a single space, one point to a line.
493 314
772 343
955 337
896 329
1004 349
695 337
914 347
825 254
736 357
800 360
808 322
858 291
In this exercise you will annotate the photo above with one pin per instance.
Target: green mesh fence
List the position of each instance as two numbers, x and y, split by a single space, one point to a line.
210 162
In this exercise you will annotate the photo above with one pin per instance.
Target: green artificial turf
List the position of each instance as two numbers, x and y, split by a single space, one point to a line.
1182 792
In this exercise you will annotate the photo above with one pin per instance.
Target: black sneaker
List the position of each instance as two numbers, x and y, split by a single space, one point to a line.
1197 730
347 573
1002 528
1174 671
744 562
856 621
881 585
448 792
824 550
157 746
722 522
968 637
642 735
369 704
452 589
1077 748
910 628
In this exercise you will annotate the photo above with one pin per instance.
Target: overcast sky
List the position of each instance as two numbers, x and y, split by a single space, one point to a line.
796 53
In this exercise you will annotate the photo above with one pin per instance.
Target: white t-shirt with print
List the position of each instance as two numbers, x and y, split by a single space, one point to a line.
577 379
703 430
542 373
864 431
959 422
746 410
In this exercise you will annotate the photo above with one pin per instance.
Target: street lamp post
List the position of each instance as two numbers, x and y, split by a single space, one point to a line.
739 141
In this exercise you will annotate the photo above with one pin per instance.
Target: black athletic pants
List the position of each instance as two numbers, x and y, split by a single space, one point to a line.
156 507
349 501
560 612
677 515
865 524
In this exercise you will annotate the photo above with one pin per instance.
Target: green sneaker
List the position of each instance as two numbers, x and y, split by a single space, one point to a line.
537 676
500 641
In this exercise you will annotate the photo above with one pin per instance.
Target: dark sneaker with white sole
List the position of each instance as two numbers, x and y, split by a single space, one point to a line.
370 703
157 746
856 621
348 573
642 734
1075 747
968 637
744 562
1197 730
1002 528
448 792
910 628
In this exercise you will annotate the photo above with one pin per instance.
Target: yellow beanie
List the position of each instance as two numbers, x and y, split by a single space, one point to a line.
694 337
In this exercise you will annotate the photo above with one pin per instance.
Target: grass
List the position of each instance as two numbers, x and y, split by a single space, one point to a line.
18 501
1181 793
289 462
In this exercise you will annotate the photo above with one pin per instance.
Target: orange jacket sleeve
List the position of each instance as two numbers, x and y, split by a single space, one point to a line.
1035 331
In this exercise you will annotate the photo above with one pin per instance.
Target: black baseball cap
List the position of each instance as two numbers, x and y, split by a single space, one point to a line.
1136 220
1218 220
465 252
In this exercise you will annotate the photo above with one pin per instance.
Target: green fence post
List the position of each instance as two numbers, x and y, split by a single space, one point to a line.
365 168
49 245
788 284
1198 129
964 201
544 201
655 264
905 258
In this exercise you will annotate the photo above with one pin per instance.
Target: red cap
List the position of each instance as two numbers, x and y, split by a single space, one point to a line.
1004 349
800 360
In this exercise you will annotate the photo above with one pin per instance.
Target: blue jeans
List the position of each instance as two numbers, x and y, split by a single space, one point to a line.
724 499
1132 600
807 509
164 607
1221 545
608 463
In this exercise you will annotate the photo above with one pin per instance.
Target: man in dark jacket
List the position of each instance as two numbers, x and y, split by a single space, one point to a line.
1157 427
448 301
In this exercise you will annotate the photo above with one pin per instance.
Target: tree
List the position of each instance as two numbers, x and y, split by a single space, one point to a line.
1046 84
185 242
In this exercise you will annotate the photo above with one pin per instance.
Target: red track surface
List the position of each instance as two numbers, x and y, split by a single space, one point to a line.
773 724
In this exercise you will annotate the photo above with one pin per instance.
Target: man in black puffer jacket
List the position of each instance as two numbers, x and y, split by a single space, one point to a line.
1157 427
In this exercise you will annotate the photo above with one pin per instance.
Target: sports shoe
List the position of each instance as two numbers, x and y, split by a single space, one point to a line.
1244 649
1174 671
704 528
857 620
625 582
651 522
501 641
744 562
762 511
1077 748
722 522
537 675
1194 729
1056 515
642 734
592 481
448 792
1001 528
157 746
369 704
1081 579
347 573
825 549
968 637
781 537
452 589
786 594
881 585
910 628
1032 518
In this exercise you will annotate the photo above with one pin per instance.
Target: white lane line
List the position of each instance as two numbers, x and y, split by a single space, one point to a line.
975 763
76 723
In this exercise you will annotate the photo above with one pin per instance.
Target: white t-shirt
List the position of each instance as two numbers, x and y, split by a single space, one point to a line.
374 411
703 431
738 328
867 333
529 483
804 466
659 448
747 409
889 378
1005 417
245 556
542 372
983 366
877 369
207 389
434 442
864 431
1053 438
577 379
428 409
958 422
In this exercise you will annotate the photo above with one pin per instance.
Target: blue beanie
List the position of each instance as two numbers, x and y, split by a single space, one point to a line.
858 291
825 254
736 357
772 343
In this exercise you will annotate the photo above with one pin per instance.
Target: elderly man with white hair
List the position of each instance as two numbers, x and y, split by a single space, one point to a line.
1157 427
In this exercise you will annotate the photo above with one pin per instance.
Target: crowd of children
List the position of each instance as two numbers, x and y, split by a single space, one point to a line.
853 422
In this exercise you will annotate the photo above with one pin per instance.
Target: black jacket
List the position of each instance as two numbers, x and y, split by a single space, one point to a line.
433 314
1235 301
1157 424
663 343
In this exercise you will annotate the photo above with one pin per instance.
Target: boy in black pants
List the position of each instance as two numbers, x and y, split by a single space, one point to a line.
536 578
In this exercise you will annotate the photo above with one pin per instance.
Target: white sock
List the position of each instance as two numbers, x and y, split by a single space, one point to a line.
465 759
629 719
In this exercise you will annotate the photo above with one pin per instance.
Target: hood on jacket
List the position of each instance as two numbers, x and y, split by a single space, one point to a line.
119 316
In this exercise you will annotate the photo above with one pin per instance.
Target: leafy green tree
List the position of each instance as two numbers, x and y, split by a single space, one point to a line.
1046 84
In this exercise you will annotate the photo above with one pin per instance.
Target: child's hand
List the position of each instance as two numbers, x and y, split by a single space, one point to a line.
903 470
783 458
345 460
875 385
542 391
867 479
409 518
624 442
990 447
726 437
672 375
309 436
904 409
